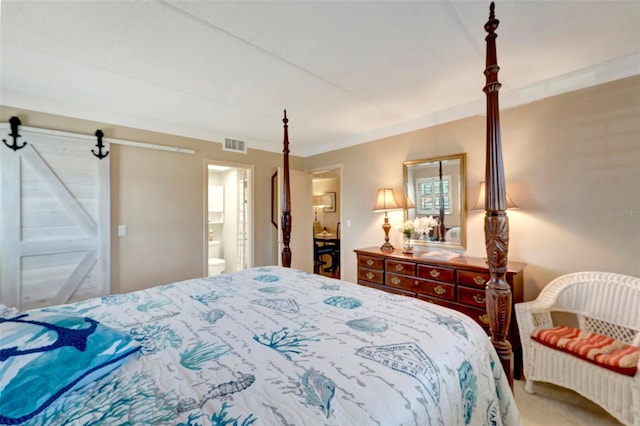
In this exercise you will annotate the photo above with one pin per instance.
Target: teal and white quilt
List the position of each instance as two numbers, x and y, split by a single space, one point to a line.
277 346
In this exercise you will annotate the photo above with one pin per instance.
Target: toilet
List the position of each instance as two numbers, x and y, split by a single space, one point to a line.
216 265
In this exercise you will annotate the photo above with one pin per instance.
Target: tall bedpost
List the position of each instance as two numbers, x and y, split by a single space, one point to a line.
441 226
286 199
496 223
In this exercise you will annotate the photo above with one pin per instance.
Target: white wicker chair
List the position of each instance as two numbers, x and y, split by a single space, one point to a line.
604 303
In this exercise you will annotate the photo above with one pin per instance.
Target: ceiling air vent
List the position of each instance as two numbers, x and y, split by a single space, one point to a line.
235 145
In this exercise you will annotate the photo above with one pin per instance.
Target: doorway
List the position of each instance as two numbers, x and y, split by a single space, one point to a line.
327 213
228 211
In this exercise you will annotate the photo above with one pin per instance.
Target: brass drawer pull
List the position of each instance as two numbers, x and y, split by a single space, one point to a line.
484 318
479 280
395 280
370 275
434 273
479 298
399 267
369 262
439 290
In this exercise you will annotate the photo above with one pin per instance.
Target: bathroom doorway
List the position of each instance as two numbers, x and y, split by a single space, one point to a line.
229 218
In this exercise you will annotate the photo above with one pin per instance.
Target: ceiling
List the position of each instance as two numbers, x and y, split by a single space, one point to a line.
347 72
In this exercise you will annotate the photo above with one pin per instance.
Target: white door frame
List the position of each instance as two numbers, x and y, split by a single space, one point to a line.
330 168
249 251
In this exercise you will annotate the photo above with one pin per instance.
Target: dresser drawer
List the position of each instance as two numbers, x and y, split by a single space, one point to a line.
479 315
420 286
372 275
406 268
473 279
371 262
472 296
431 272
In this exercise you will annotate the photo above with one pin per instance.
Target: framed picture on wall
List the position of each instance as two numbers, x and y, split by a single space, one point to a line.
332 206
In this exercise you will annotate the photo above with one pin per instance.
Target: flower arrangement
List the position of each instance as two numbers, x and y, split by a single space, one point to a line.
424 224
407 228
420 225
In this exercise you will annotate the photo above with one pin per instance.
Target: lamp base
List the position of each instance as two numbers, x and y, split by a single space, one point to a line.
386 226
387 247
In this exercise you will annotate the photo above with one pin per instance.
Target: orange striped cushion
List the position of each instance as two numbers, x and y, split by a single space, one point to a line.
601 350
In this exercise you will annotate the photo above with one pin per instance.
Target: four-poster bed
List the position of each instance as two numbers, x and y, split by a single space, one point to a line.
286 197
496 223
270 345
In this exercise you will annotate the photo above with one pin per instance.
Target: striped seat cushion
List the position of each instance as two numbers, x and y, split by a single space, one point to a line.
596 348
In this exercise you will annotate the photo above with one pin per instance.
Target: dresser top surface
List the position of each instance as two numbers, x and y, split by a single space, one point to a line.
416 256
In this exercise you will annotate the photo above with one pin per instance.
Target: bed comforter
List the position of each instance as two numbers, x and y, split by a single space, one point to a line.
277 346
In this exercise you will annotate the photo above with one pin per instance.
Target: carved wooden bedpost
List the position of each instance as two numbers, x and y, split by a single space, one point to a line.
441 226
496 223
286 199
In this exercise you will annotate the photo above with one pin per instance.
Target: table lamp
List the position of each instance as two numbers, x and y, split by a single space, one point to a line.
386 201
480 202
318 202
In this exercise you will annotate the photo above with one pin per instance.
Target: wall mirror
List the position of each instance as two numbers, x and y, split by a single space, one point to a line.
435 188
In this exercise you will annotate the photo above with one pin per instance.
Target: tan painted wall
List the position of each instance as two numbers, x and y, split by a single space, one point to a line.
572 164
160 197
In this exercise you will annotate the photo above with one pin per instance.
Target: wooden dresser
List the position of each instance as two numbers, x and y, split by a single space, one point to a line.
458 284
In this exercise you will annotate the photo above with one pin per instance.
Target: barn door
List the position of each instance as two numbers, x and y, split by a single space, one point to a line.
55 219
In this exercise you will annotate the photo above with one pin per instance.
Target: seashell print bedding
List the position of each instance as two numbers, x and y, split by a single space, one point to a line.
277 346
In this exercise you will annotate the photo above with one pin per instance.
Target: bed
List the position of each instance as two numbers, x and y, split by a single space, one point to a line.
270 345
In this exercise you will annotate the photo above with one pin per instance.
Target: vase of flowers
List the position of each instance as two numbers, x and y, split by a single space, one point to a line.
420 227
407 231
407 244
423 226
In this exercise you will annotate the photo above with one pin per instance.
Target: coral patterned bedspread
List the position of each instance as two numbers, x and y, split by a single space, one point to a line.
277 346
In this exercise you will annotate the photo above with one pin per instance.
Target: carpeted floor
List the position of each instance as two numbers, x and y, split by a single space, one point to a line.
553 405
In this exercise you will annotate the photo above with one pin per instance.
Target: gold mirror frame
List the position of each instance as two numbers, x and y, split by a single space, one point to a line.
422 194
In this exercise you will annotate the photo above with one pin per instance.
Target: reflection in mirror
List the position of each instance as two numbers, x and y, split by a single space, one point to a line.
436 201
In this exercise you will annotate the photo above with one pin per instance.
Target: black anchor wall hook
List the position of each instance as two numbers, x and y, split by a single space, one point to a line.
99 154
14 122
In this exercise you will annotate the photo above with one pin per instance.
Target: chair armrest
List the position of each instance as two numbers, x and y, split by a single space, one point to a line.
531 317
